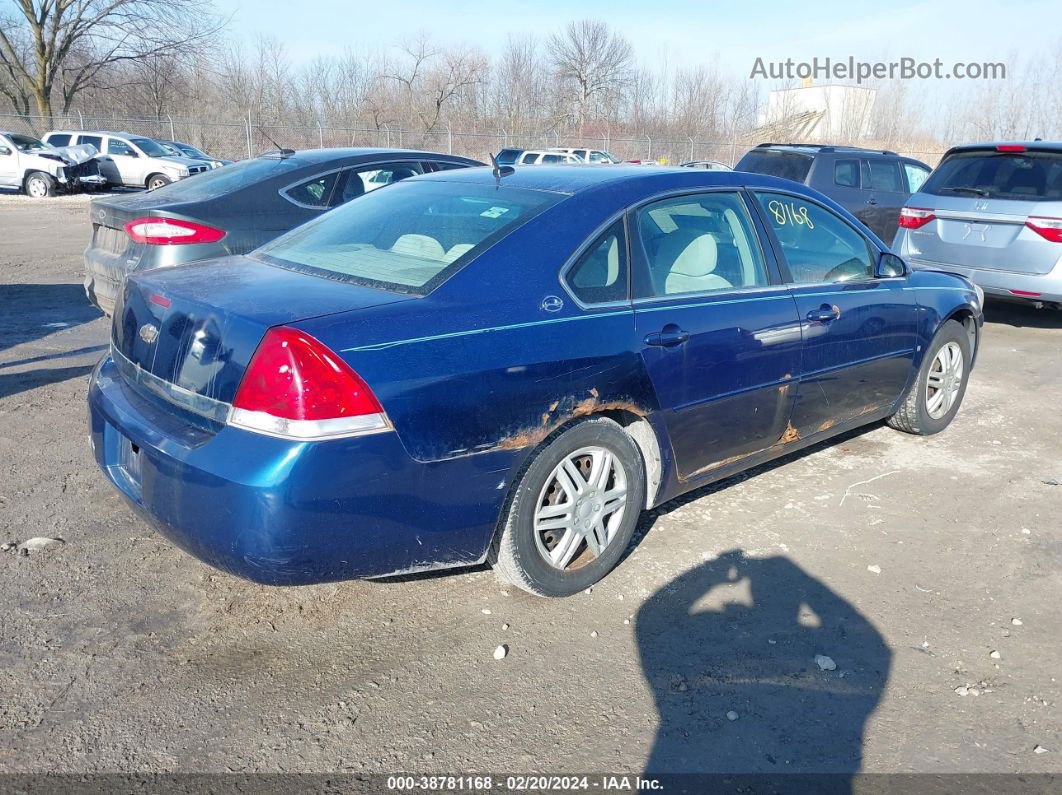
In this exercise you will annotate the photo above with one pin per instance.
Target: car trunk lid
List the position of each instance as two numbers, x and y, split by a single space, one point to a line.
986 234
188 333
982 197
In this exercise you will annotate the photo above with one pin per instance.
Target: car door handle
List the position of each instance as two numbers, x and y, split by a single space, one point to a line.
668 337
824 314
872 201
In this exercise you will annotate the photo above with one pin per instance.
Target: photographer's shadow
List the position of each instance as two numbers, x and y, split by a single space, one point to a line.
740 635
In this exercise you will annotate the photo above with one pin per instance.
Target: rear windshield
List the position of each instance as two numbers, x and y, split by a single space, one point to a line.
788 165
1021 176
212 184
506 157
408 237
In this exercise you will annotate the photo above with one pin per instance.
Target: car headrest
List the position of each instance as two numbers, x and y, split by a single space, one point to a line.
698 257
421 246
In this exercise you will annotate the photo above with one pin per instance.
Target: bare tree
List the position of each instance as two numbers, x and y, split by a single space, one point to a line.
432 78
593 59
60 47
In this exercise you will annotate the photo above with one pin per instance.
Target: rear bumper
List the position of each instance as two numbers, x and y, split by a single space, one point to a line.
289 513
1003 284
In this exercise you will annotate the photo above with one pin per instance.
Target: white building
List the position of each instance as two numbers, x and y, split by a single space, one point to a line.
819 113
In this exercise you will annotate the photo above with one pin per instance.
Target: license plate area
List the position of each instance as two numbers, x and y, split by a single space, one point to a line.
129 461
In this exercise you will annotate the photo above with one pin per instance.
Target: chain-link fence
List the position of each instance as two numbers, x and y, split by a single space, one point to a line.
236 139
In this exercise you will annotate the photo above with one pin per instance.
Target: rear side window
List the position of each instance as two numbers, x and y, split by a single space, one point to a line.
700 243
788 165
916 176
314 192
528 159
846 173
507 157
883 175
1021 176
600 275
555 159
818 245
408 238
59 139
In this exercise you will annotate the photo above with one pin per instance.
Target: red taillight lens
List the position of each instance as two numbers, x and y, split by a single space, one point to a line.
296 387
1048 228
915 217
168 231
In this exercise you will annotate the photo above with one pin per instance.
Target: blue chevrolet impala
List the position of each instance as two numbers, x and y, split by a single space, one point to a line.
485 365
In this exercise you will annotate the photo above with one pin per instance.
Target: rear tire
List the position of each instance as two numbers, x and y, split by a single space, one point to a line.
551 550
39 185
157 181
936 394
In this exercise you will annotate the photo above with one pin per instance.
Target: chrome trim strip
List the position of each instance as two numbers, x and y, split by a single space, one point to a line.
201 405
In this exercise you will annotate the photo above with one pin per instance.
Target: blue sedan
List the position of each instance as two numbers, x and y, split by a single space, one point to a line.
480 365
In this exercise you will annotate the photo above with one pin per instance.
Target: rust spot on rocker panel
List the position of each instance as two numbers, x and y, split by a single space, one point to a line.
788 436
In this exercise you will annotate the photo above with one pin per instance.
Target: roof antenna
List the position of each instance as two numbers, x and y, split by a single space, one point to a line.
280 149
500 171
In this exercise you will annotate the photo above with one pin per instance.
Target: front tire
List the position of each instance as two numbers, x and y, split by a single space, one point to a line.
40 185
937 392
156 181
573 512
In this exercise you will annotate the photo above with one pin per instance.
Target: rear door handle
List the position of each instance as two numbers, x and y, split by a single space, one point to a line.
824 314
668 337
872 201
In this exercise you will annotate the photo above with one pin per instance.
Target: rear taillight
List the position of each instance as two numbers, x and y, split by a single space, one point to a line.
915 217
1010 148
295 387
168 231
1047 228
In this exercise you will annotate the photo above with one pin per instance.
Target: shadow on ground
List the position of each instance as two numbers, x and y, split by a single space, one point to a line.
1022 315
729 650
30 313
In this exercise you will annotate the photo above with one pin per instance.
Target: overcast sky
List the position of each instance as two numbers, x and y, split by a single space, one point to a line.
684 32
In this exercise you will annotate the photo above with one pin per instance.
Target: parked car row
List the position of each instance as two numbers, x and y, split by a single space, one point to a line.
41 170
362 370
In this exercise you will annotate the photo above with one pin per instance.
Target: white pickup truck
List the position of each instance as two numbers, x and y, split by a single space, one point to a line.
42 170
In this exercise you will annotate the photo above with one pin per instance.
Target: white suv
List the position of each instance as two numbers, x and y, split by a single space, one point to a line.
596 156
132 160
539 157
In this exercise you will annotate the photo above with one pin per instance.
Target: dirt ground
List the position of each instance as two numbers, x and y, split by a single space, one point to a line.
926 569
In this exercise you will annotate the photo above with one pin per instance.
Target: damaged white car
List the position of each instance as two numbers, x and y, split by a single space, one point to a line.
41 170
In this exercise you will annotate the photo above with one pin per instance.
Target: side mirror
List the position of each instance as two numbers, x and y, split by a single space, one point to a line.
133 153
4 150
890 266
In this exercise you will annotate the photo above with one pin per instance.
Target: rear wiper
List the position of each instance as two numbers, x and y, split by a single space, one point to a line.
975 191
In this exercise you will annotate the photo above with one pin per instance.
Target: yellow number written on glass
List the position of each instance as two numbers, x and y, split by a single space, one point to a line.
789 213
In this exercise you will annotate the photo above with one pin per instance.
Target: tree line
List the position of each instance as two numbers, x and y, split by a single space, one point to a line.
158 58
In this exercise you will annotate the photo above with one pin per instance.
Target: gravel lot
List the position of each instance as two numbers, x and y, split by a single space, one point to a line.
906 561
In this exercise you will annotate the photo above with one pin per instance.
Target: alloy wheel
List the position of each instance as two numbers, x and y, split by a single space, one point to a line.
944 380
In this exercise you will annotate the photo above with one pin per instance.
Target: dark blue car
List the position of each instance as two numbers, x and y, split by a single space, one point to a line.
474 365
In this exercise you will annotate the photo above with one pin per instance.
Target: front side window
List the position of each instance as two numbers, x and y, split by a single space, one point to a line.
819 246
528 159
92 140
408 238
149 147
359 181
883 175
600 274
116 147
700 243
846 173
916 176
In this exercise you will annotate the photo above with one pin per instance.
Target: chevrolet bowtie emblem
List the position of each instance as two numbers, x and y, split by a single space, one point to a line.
148 333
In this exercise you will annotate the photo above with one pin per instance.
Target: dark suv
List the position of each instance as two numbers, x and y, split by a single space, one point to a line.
872 184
